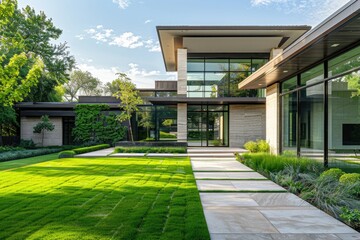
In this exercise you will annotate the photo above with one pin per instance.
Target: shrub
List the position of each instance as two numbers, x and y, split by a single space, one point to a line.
351 217
350 178
10 148
251 146
334 173
90 149
12 155
28 144
167 135
258 146
66 154
150 150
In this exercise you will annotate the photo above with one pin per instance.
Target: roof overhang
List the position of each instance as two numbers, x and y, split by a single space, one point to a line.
337 33
189 100
224 39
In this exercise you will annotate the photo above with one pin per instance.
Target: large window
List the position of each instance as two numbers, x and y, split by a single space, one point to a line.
220 77
321 117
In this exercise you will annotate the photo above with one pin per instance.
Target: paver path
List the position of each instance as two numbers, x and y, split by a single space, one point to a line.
241 204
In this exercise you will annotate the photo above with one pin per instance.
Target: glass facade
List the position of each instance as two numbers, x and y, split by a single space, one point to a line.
208 125
321 109
214 78
156 123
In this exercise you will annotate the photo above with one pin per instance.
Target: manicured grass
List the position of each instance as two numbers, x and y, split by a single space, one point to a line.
150 150
27 161
102 198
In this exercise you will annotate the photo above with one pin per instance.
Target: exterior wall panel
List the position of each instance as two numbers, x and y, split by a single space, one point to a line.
272 118
247 123
53 138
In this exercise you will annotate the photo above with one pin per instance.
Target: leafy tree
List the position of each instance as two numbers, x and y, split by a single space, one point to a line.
8 121
26 32
129 100
81 82
146 121
112 87
19 70
43 126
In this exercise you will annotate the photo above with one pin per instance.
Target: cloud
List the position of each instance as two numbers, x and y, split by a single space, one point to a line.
140 76
122 3
127 40
148 21
152 46
314 10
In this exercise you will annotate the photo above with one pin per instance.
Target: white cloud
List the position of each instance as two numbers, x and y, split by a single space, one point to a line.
140 76
314 10
122 3
148 21
152 46
127 40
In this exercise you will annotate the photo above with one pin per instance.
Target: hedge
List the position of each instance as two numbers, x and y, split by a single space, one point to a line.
150 150
18 154
75 151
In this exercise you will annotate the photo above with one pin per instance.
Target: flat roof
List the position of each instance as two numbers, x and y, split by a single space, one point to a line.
234 39
200 100
337 33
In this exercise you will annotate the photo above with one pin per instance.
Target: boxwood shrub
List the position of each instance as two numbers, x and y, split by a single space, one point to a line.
66 154
150 150
90 149
19 154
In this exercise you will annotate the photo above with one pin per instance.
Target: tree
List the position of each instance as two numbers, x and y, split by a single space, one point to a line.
112 87
7 121
81 82
44 125
129 100
20 70
146 121
35 33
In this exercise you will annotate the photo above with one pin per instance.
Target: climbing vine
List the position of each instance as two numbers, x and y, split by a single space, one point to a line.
93 125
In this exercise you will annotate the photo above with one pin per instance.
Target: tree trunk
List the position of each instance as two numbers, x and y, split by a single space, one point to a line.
42 137
130 130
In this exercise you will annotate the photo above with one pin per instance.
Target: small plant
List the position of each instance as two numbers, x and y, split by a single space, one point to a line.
66 154
351 216
258 146
334 173
251 146
43 126
350 178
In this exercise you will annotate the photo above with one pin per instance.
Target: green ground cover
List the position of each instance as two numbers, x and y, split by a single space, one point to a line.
102 198
27 161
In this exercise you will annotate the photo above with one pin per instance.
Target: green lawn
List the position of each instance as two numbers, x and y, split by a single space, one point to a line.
27 161
101 198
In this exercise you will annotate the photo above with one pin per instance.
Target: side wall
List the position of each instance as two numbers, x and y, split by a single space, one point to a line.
54 138
247 123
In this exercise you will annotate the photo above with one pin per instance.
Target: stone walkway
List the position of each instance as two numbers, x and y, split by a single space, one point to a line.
241 204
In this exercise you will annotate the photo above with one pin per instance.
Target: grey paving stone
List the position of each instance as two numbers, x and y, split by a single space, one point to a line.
227 199
240 236
349 236
279 200
300 236
237 185
99 153
237 221
128 154
305 221
228 175
228 166
213 159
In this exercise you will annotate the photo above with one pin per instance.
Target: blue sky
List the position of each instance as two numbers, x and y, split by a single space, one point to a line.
110 36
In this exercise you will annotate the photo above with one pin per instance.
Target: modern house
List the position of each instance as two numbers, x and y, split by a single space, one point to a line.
298 88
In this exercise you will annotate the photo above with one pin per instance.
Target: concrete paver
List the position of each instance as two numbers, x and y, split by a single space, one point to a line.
258 215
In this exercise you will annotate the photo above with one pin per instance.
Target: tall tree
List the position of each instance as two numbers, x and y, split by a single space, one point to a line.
20 70
129 100
111 88
81 83
36 33
43 126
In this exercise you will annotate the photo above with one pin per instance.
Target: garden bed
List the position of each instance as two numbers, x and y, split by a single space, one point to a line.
333 191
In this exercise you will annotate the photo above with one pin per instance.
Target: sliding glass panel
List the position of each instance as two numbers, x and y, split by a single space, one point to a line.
240 64
344 120
289 119
289 84
312 121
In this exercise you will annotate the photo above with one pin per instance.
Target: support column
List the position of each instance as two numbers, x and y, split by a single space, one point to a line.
182 71
181 91
182 122
273 118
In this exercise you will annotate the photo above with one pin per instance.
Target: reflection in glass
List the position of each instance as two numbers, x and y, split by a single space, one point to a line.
312 75
289 118
344 62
